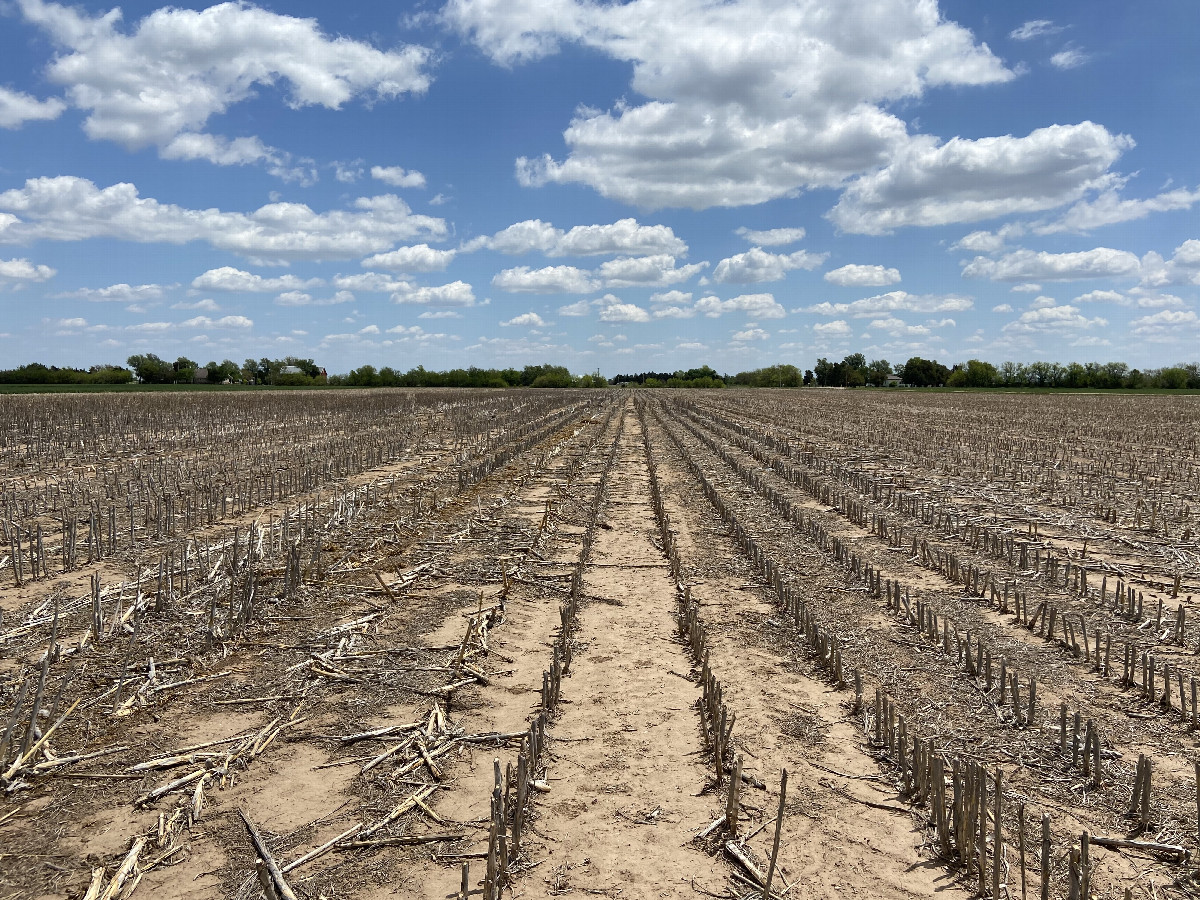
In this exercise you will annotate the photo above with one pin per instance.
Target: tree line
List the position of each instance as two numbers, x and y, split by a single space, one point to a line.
854 370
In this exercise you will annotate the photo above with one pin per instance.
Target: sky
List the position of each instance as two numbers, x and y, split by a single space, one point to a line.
614 187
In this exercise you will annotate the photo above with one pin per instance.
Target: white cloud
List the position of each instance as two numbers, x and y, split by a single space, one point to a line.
863 276
1021 265
207 304
1103 297
836 328
456 293
898 327
1167 325
645 271
68 208
674 298
893 302
118 293
579 308
623 237
755 306
1027 287
674 312
1034 28
758 265
222 151
160 83
548 280
418 258
227 278
961 180
746 101
302 298
774 237
369 329
375 282
1052 320
1069 57
1042 302
1109 209
17 271
240 322
398 177
750 334
1002 308
531 319
440 314
17 108
691 345
613 310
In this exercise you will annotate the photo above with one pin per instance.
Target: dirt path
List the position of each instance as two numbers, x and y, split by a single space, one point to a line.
625 774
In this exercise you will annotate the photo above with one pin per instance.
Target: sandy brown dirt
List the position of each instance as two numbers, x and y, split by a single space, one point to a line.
626 770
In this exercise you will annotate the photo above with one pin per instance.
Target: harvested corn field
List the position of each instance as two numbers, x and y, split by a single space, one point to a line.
539 643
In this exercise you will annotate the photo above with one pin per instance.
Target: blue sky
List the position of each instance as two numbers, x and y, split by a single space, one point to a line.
648 185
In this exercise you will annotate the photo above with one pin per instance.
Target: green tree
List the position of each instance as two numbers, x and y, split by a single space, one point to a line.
149 369
878 371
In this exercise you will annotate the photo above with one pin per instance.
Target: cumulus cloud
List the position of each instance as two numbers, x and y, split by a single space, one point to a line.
899 328
623 237
746 101
398 177
836 328
456 293
961 180
227 278
118 293
68 208
160 82
755 306
530 319
374 282
1002 308
1103 297
673 298
674 312
774 237
302 298
893 302
547 280
240 322
863 276
750 334
1052 320
1023 265
614 310
207 304
1168 325
758 265
418 258
645 271
1108 208
17 108
579 308
22 271
440 314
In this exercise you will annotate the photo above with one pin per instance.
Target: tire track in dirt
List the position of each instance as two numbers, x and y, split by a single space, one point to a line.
626 779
